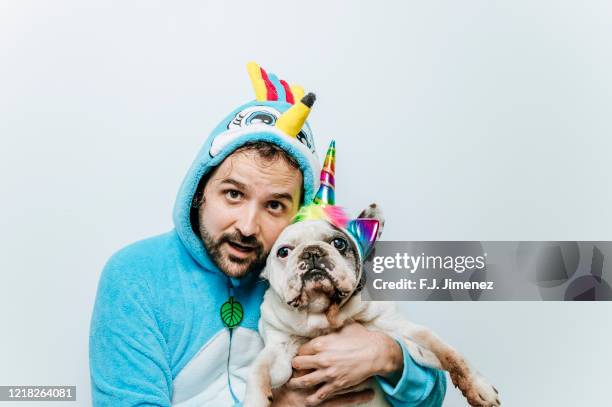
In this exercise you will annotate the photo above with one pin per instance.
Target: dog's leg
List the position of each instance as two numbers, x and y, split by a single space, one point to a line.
282 370
473 385
259 389
272 368
427 349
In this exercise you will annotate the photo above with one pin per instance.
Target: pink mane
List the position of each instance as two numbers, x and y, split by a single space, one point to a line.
336 215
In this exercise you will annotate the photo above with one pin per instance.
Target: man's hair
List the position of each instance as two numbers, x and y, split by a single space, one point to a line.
269 152
266 151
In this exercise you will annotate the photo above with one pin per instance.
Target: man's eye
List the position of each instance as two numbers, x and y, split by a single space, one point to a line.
233 195
276 206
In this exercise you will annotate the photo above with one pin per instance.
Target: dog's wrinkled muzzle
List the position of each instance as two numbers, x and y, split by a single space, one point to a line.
316 270
315 257
316 265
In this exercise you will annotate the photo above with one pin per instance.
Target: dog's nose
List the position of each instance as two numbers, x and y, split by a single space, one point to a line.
312 253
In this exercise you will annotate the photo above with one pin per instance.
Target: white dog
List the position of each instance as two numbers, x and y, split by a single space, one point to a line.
314 270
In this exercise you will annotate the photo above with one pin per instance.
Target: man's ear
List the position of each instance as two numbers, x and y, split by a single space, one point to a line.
374 212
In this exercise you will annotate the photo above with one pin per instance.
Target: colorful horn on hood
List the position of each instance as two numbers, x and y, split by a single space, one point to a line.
293 119
326 195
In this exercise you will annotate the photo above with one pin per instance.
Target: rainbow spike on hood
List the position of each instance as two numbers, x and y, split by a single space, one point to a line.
363 231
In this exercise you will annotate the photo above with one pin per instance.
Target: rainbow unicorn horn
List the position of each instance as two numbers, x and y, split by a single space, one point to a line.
327 191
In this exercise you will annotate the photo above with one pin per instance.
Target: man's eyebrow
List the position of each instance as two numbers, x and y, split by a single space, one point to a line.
232 181
242 186
283 195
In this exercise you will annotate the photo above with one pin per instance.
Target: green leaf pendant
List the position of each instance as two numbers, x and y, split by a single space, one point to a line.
231 313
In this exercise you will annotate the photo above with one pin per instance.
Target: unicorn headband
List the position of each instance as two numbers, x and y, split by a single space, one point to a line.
363 231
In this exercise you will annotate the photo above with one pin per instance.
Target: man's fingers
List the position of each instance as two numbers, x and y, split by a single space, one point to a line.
307 362
323 393
300 373
350 398
309 380
312 347
353 389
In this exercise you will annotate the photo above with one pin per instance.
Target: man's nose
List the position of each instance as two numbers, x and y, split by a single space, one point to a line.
248 224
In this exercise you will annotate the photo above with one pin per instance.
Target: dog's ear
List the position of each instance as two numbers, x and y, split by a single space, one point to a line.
374 212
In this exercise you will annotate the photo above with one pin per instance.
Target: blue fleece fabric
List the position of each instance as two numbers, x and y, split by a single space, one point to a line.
158 302
418 387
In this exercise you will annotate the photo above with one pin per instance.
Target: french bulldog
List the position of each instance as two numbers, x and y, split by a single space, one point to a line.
315 275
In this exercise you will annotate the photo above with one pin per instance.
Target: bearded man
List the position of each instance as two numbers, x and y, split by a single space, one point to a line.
175 318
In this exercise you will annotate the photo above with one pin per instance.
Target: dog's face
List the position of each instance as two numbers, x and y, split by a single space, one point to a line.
313 264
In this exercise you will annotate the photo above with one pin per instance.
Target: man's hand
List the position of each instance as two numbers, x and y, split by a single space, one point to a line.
345 359
286 397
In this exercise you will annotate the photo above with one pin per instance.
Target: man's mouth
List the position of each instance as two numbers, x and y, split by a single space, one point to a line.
242 248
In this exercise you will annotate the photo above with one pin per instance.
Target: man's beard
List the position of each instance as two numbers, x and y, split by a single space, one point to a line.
231 265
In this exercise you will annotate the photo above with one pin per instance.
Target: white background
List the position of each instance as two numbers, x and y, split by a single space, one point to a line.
472 120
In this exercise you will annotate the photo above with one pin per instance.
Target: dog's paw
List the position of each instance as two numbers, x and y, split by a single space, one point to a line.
281 371
480 393
475 388
257 398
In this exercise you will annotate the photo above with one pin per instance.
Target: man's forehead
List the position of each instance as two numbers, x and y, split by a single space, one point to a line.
249 168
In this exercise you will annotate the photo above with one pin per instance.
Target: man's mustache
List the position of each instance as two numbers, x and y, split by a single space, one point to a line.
237 237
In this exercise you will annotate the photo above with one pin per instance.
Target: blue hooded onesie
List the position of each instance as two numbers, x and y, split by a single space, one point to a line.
156 336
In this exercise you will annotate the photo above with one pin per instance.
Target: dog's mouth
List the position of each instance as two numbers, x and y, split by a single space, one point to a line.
317 283
316 274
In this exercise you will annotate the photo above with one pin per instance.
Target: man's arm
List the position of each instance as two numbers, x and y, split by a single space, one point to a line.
350 356
413 385
127 352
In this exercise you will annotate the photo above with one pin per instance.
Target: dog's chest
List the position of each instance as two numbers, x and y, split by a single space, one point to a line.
316 325
311 325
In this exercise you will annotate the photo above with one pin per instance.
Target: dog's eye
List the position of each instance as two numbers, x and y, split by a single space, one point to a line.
339 244
283 252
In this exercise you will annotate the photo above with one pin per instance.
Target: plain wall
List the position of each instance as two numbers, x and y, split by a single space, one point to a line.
472 120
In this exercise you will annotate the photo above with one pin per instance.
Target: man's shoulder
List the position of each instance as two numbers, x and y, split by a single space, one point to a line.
145 257
147 249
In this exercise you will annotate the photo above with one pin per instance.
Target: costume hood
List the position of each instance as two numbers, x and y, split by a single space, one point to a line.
277 115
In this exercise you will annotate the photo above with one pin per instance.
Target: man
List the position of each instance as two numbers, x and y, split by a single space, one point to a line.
175 319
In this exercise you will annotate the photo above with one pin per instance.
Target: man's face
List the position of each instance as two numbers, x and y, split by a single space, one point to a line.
248 201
